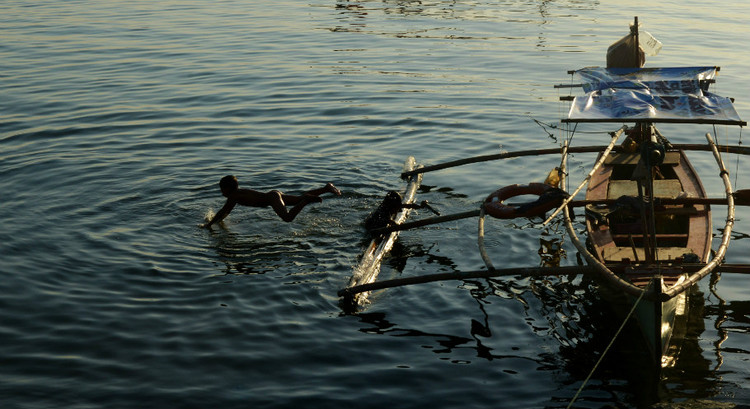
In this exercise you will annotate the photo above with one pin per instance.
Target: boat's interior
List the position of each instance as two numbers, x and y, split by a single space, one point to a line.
626 222
624 219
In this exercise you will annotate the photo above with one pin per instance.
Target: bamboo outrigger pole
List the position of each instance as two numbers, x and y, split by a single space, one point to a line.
741 198
740 150
427 221
598 164
464 275
503 155
725 237
508 272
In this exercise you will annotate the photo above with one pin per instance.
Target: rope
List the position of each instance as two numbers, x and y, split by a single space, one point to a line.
598 164
601 358
737 166
480 241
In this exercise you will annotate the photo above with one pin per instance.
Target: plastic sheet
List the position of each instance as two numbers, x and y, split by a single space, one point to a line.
654 95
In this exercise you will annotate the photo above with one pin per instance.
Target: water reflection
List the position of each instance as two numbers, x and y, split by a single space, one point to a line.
469 10
730 317
382 326
443 343
252 254
355 16
720 319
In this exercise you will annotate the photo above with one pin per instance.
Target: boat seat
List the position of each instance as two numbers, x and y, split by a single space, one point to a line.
659 236
666 188
622 158
618 254
643 279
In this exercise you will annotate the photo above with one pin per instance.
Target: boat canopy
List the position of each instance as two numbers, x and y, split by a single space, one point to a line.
651 95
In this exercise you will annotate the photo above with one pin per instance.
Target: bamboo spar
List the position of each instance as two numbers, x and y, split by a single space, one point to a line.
725 237
513 272
741 198
599 163
740 150
602 269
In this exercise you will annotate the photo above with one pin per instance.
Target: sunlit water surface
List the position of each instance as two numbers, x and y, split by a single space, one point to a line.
118 118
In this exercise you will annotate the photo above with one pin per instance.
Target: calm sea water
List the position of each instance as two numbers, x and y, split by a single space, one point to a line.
118 118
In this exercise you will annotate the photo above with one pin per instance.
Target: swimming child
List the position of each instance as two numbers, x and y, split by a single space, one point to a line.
276 200
383 216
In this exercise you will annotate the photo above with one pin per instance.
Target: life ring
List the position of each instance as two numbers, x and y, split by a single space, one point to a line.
549 198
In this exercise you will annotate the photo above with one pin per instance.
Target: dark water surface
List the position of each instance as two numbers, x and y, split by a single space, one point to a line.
118 118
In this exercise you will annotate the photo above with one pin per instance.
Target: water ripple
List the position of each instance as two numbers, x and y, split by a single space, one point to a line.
119 118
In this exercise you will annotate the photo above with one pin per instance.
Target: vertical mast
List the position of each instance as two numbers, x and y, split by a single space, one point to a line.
637 47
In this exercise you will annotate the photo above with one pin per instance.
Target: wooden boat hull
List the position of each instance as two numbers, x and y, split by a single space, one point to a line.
683 234
658 322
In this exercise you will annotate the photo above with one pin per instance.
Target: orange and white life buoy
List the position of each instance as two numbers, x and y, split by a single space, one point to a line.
549 198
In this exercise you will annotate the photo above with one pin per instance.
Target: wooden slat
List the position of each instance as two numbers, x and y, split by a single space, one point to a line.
621 158
666 188
617 254
659 236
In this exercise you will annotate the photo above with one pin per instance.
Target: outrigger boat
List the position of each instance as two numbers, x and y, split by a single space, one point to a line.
647 215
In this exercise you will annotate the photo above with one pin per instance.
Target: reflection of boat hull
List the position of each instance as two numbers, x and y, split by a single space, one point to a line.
681 232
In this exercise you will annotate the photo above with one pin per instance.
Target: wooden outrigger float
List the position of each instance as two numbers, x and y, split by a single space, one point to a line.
648 217
368 268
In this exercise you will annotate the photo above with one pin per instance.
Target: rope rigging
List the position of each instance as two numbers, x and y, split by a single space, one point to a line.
601 358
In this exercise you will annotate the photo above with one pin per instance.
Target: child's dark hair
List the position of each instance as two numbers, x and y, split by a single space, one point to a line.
229 184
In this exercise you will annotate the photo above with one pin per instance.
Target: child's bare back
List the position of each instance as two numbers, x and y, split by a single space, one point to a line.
253 198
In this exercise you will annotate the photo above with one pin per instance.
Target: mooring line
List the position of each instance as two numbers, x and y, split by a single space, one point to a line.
601 358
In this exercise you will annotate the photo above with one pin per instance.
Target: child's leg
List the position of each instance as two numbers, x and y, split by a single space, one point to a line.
292 200
279 205
328 188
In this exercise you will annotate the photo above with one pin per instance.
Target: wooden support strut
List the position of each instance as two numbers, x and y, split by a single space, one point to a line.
600 267
741 198
599 163
510 272
464 275
725 237
735 149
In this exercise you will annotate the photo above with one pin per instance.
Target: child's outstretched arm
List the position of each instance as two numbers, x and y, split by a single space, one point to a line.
224 212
